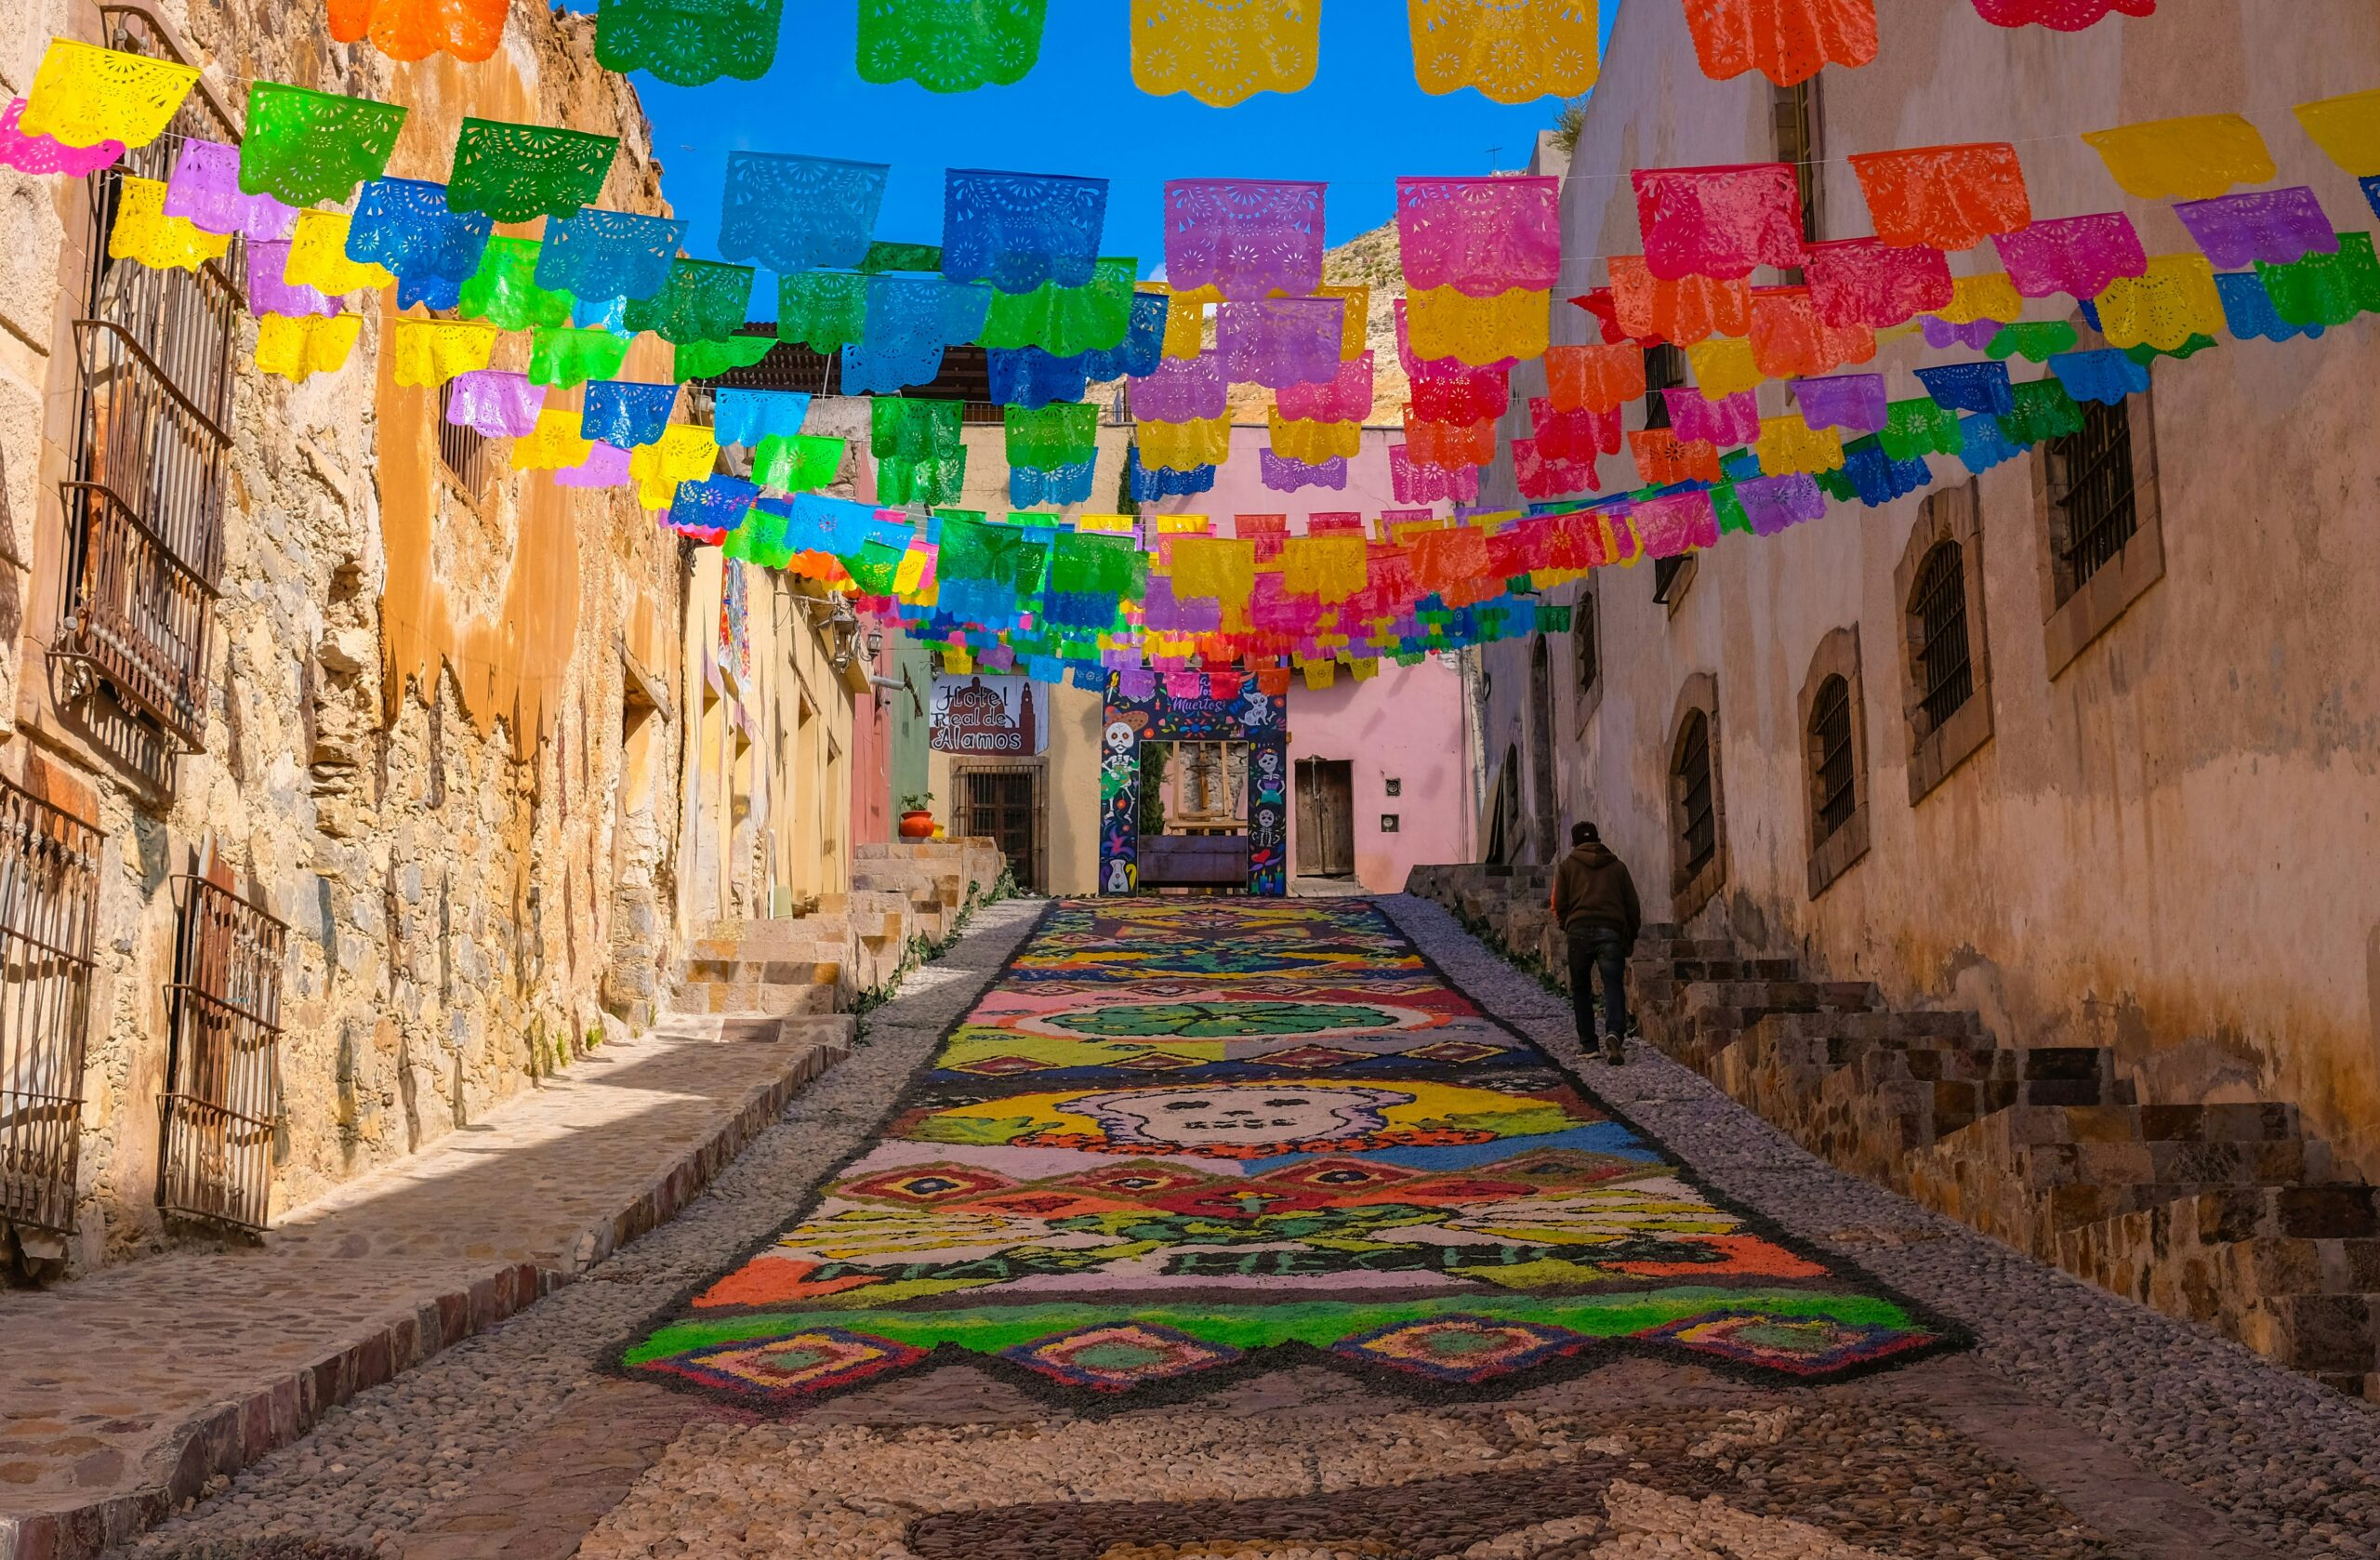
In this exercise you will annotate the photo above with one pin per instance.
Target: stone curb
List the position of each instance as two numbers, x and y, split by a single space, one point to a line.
229 1436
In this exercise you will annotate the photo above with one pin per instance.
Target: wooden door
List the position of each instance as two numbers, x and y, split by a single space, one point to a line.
1326 818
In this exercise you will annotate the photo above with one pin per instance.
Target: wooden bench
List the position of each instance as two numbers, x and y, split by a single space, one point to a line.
1194 860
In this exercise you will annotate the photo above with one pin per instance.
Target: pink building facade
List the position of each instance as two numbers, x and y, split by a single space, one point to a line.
1381 771
1394 752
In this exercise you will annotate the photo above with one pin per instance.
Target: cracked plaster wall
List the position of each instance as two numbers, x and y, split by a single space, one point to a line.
416 745
2165 846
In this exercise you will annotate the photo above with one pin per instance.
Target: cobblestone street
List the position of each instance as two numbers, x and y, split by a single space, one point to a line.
2075 1424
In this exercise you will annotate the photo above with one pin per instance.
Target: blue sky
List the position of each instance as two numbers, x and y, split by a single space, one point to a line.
1361 124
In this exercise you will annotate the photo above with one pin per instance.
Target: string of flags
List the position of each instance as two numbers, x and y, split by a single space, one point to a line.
1219 52
1020 270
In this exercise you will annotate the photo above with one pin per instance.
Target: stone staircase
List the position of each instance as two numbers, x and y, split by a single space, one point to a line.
2229 1215
762 978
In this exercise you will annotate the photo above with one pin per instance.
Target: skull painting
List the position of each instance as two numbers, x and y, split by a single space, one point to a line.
1236 1116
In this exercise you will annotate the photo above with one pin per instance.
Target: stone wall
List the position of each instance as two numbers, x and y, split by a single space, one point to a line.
2238 1217
2154 839
432 744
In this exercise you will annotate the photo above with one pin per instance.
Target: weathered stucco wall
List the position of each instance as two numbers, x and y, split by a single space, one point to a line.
424 747
1403 724
2165 843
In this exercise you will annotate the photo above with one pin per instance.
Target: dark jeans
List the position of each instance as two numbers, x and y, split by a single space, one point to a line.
1599 950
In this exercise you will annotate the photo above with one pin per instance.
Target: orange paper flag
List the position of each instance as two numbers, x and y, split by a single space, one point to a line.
1944 197
1789 340
1787 41
1689 310
1662 457
1593 378
409 30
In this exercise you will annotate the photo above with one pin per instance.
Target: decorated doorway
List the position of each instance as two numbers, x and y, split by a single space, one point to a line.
1211 750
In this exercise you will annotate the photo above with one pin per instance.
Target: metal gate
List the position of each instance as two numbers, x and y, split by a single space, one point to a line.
1003 803
223 1087
49 905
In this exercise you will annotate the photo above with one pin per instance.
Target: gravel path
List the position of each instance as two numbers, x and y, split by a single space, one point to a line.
2291 1463
374 1467
2293 1466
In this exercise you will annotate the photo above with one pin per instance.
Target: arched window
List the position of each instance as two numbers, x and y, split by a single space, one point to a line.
1698 841
1945 654
1835 778
1541 752
1586 654
1834 757
1937 608
2091 484
1698 806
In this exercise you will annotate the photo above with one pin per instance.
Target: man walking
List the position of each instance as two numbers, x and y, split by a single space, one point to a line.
1595 901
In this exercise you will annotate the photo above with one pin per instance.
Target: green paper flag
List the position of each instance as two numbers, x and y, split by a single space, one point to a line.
797 462
704 360
306 147
1051 436
688 43
702 300
558 355
2323 289
1920 427
518 172
2034 341
1063 322
824 310
505 292
884 257
947 47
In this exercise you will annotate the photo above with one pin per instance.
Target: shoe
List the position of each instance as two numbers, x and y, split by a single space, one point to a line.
1614 1051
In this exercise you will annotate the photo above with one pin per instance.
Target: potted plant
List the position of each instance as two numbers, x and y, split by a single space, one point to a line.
917 821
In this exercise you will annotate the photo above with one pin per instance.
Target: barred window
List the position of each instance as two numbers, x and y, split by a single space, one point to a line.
2091 494
50 891
144 498
222 1079
1664 369
1698 823
1794 112
1583 650
1945 673
1834 791
462 450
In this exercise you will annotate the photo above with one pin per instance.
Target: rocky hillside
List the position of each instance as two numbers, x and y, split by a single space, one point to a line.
1371 258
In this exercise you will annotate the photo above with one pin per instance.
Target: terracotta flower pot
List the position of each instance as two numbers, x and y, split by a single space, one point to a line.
916 826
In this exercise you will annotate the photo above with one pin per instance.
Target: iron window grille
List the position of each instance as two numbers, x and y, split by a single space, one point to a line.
1945 672
1664 369
49 896
461 449
1836 791
144 504
1582 642
1003 803
1794 114
2091 488
1698 829
222 1101
1668 577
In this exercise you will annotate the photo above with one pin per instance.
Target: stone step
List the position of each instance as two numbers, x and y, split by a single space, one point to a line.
2254 1121
2028 1174
777 1000
721 1026
1686 970
2292 1271
752 968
